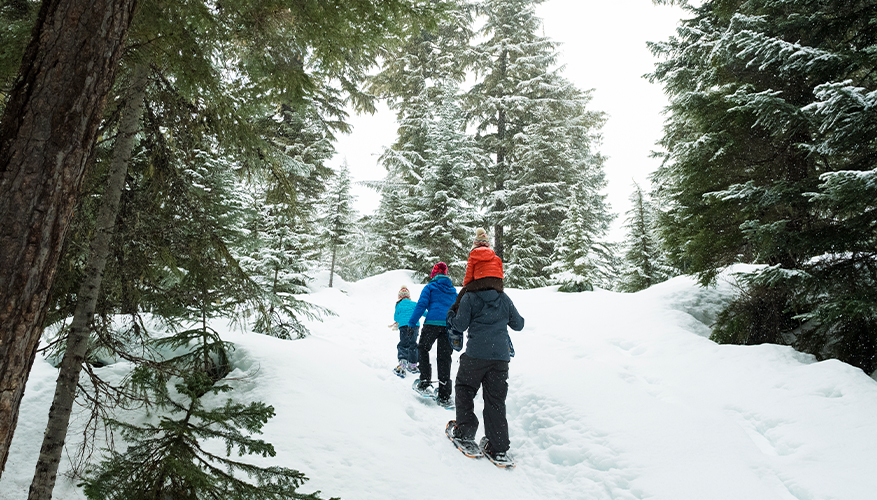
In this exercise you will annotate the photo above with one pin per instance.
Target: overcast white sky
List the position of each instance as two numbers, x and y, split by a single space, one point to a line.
603 46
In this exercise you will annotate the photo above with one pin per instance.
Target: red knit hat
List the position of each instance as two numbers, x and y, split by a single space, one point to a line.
440 268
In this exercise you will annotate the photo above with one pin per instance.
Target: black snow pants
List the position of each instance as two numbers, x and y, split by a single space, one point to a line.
493 376
439 335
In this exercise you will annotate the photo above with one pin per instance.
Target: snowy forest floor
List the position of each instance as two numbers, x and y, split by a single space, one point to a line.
612 396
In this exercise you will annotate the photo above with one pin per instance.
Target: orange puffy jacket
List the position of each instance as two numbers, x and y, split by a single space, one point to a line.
482 263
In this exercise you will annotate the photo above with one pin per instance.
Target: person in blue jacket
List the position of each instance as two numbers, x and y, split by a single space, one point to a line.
436 298
487 314
406 349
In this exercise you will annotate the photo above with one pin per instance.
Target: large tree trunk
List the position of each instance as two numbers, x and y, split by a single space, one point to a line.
47 134
77 338
501 169
332 267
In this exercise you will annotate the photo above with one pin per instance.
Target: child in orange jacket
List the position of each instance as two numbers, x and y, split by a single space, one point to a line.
483 268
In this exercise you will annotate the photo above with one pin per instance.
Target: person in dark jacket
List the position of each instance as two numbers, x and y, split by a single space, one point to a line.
487 315
436 298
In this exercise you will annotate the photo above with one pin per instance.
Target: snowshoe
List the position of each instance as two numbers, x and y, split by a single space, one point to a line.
424 388
400 370
467 446
499 459
446 403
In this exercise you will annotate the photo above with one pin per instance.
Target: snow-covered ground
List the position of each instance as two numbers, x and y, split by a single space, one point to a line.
612 396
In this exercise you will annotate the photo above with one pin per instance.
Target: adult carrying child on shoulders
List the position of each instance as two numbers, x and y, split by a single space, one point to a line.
488 315
483 268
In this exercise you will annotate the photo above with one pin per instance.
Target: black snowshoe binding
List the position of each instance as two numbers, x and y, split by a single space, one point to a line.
499 459
467 446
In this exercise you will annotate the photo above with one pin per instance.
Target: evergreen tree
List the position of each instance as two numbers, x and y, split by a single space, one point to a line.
266 50
426 213
581 260
443 219
536 126
385 245
412 79
169 460
338 214
768 109
282 243
644 264
553 160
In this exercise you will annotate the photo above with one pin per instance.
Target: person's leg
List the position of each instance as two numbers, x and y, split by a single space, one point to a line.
443 362
468 381
402 346
427 338
412 345
486 283
496 387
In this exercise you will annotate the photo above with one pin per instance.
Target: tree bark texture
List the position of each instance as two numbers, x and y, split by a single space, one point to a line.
47 133
332 267
499 207
86 300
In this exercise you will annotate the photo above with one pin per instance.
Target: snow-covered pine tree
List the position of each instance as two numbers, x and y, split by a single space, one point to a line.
338 215
536 126
281 246
385 242
644 265
582 259
769 107
424 216
511 53
444 219
553 158
168 460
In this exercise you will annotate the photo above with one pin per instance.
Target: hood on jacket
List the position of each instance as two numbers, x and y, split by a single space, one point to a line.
442 280
482 254
489 297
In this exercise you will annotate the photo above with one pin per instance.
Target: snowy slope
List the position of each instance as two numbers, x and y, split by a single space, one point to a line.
612 396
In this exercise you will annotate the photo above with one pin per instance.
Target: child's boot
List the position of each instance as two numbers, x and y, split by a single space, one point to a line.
400 368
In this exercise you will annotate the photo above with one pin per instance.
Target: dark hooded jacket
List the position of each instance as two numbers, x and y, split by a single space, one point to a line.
487 315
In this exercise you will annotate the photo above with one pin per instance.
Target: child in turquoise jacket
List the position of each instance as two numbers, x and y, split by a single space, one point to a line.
406 349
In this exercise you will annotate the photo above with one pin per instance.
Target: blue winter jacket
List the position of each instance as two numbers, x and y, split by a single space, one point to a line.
404 308
436 298
486 314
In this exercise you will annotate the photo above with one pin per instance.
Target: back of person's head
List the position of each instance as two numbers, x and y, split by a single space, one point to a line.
404 293
440 268
480 239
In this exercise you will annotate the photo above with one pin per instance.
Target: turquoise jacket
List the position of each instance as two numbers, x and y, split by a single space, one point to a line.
436 298
404 308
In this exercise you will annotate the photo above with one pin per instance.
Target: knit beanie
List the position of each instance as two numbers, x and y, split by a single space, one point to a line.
480 239
404 293
440 268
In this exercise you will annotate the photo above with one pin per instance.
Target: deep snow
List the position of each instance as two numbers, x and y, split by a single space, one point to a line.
612 396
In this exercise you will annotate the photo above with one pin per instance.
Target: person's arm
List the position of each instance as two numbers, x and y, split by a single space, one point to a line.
516 321
420 308
460 319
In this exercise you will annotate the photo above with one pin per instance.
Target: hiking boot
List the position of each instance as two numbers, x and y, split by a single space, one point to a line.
423 388
412 368
444 402
499 458
400 369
